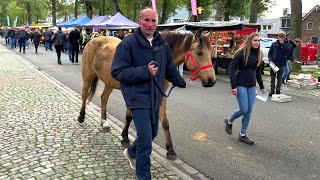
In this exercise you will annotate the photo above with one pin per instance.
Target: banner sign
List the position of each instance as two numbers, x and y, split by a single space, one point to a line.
194 7
154 5
8 21
15 21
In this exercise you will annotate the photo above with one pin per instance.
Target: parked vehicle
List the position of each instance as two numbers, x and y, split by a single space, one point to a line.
265 44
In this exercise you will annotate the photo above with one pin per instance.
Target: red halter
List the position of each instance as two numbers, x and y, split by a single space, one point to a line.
194 73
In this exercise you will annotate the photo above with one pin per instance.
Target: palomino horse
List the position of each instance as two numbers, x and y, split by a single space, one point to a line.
97 59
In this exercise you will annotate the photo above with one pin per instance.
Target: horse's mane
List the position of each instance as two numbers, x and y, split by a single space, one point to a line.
176 39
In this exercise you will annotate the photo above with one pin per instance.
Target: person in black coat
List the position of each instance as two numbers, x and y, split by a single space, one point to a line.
59 40
279 52
23 37
134 66
74 39
244 71
36 38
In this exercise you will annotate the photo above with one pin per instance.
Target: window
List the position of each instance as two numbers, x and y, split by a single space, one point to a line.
264 27
285 23
269 27
314 40
309 26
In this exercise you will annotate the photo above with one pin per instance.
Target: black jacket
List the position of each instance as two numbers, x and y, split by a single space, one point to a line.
130 68
36 37
47 35
11 33
59 38
23 35
74 37
245 76
279 53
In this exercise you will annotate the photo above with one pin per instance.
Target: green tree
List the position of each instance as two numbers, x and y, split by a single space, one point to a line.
14 10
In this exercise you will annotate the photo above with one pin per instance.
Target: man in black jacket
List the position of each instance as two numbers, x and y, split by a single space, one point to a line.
134 66
23 36
74 39
278 54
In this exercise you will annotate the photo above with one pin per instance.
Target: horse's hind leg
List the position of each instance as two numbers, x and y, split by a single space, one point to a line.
87 81
104 100
171 154
125 132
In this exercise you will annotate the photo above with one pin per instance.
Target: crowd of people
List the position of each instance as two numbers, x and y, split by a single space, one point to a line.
70 41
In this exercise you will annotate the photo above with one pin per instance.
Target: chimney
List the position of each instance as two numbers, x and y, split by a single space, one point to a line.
285 11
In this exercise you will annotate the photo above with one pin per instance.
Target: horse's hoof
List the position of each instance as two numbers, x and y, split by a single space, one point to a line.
105 126
125 143
171 157
80 119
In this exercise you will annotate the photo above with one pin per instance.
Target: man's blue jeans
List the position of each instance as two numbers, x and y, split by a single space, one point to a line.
11 42
246 98
48 44
286 72
147 130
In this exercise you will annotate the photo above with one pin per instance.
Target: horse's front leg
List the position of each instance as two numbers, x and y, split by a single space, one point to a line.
104 100
171 154
125 132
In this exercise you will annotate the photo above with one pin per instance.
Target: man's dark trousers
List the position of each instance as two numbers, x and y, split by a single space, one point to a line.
147 130
279 79
75 52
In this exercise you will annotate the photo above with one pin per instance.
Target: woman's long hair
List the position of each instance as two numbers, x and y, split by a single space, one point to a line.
246 48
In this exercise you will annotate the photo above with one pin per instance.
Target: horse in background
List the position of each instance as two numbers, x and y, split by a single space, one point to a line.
193 50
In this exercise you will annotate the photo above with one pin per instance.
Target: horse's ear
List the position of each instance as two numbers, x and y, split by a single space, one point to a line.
208 34
197 35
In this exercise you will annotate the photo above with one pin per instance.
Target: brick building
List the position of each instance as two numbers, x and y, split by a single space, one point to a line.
310 26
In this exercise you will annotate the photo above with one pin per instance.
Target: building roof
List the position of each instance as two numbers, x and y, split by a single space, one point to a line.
316 7
276 29
263 21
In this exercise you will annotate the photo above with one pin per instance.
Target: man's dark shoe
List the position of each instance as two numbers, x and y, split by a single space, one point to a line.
271 93
278 92
245 139
228 127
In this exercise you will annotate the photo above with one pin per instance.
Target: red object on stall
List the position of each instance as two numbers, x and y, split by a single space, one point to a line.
309 53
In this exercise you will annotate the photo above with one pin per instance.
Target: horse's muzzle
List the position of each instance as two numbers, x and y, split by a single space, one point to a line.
209 83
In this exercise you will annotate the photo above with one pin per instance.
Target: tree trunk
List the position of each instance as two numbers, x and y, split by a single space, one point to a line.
164 14
89 9
227 13
103 7
135 10
146 3
221 5
54 12
254 11
29 8
296 29
115 6
76 8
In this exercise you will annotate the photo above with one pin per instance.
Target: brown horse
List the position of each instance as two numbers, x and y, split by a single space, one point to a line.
97 59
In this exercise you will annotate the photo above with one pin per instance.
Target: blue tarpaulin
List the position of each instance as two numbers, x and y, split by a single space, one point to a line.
79 22
70 20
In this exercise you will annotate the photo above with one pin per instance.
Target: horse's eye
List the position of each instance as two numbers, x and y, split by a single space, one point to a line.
199 53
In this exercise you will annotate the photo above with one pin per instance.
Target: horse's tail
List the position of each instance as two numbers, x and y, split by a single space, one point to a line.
93 88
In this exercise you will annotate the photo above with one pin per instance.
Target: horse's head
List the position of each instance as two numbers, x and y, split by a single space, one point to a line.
198 60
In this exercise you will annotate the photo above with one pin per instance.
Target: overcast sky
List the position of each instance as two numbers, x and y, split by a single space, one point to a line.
277 10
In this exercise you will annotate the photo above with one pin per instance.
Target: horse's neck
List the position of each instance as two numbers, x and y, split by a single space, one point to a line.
179 53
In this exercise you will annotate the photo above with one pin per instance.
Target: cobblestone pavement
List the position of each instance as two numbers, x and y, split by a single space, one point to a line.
41 139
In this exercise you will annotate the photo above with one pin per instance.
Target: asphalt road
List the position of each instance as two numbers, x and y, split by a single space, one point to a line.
287 136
